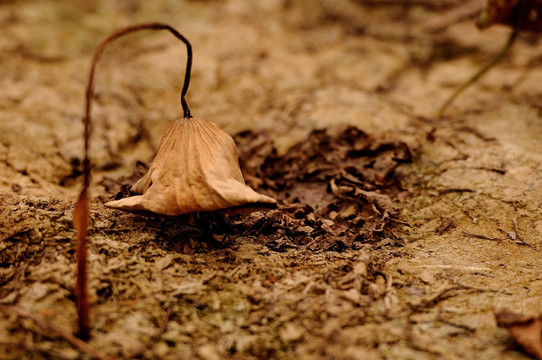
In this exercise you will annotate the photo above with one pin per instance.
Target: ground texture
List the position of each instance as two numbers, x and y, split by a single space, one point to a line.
398 235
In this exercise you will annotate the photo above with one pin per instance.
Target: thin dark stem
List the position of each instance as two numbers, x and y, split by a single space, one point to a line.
90 87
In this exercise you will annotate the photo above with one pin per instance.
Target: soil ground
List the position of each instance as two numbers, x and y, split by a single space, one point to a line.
468 237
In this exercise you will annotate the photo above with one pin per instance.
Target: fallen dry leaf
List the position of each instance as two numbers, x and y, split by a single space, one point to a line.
336 189
526 331
196 170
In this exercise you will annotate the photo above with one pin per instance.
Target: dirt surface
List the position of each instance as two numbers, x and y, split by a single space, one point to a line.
461 239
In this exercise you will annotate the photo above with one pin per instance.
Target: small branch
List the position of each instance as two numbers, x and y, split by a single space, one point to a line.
443 295
400 222
476 236
477 133
496 170
454 190
499 171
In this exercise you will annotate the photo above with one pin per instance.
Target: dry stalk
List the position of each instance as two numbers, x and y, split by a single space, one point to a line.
81 214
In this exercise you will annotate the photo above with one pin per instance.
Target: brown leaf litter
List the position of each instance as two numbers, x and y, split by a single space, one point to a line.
335 191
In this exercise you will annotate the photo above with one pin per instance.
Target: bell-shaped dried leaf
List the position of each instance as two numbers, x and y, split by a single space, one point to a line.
196 170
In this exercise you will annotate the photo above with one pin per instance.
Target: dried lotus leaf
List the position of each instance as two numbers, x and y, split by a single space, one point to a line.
196 169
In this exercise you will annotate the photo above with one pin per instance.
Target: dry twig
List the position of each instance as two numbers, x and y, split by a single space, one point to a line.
442 295
483 237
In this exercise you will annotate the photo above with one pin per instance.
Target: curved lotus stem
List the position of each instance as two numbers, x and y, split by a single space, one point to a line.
81 214
96 58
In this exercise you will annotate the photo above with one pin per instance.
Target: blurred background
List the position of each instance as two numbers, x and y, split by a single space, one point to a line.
286 66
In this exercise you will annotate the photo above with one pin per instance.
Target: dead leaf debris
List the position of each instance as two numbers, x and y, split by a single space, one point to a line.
335 191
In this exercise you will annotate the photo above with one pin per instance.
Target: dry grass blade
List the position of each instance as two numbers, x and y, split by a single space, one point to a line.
435 299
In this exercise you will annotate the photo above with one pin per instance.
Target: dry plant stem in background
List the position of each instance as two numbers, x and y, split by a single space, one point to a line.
520 15
480 73
525 15
81 213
